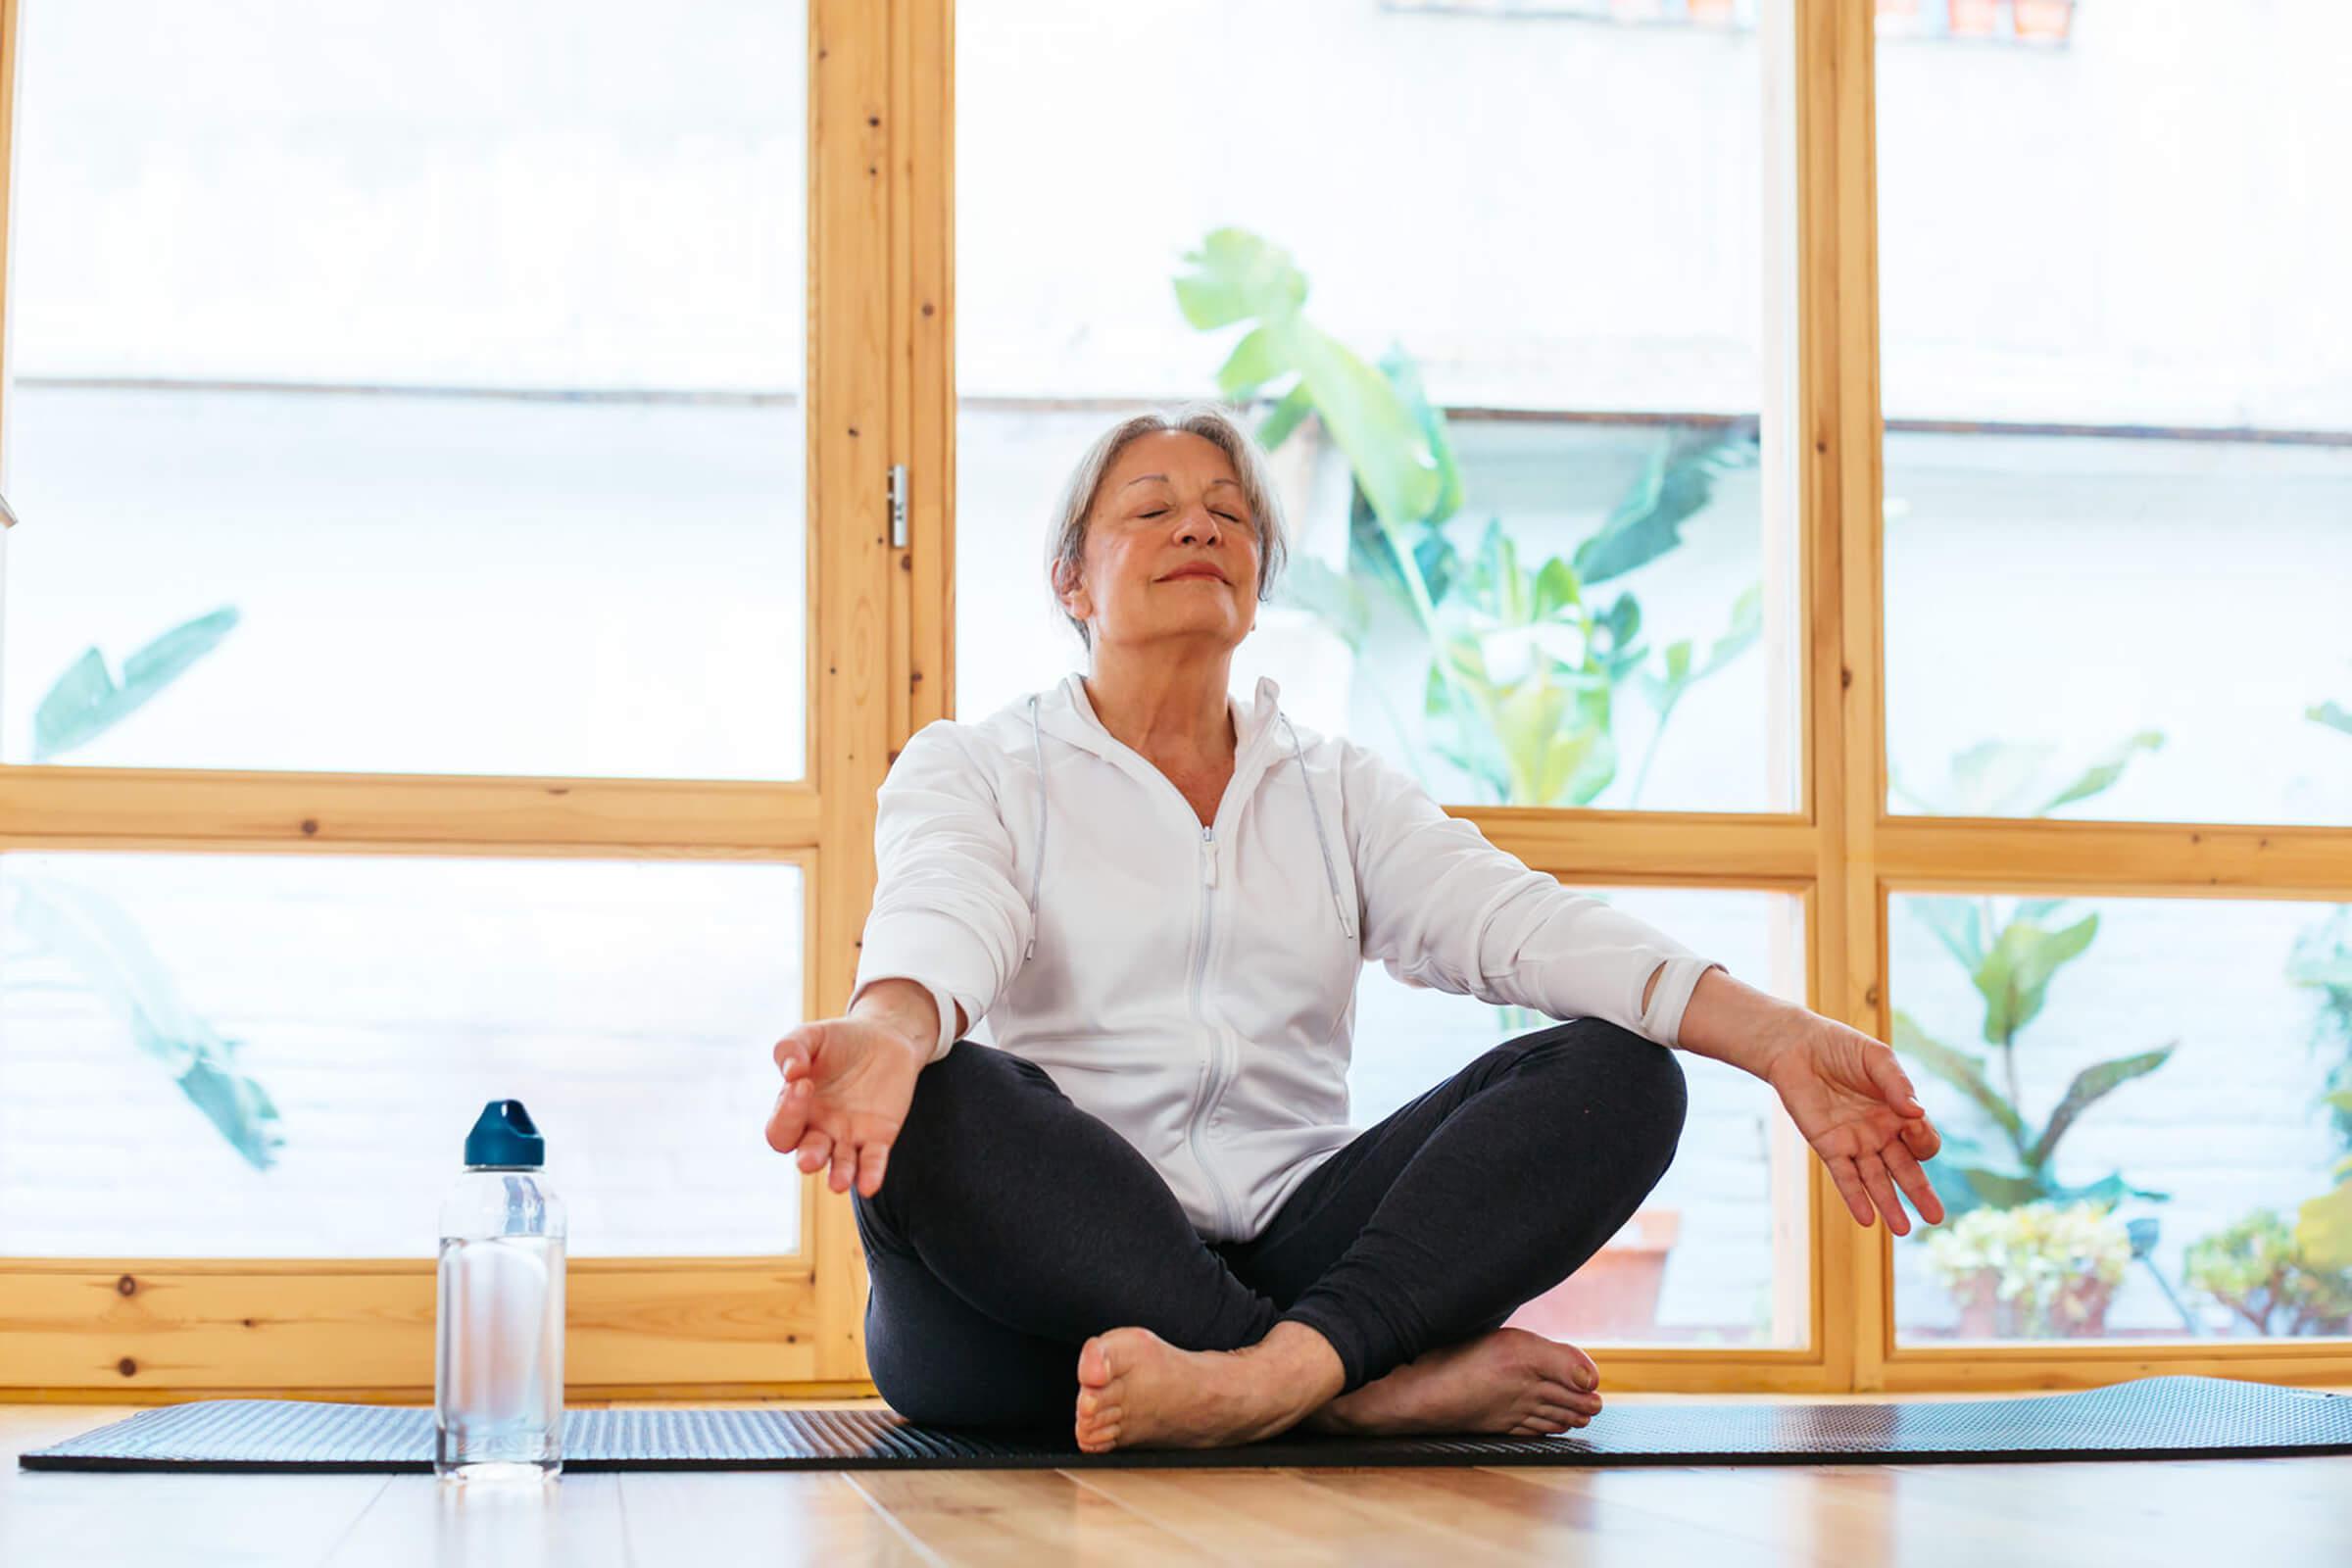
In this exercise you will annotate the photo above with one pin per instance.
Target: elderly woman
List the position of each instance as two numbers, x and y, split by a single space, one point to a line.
1141 1206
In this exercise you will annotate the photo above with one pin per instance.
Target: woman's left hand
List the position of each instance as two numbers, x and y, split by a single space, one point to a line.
1852 1099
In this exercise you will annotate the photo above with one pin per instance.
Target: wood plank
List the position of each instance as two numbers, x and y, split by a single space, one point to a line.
1272 1516
773 1518
850 560
575 1522
1692 848
226 809
79 1517
1520 1511
1019 1518
2208 860
339 1327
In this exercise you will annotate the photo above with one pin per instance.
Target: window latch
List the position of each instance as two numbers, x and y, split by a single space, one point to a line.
898 506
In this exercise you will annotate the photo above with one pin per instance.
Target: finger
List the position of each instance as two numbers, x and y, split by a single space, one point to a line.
815 1147
1882 1192
1915 1182
1924 1140
1849 1187
792 1055
845 1167
1886 1075
788 1121
870 1160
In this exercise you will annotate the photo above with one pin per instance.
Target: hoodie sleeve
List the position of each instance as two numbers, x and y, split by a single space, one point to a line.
1446 909
945 913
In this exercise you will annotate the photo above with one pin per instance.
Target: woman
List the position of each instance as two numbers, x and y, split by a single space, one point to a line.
1142 1207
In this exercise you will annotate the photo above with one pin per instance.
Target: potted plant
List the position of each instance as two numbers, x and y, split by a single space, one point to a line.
1974 19
2262 1273
1615 1295
2045 20
2040 1270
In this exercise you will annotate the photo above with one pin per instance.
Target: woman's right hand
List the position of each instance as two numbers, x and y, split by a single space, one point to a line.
847 1085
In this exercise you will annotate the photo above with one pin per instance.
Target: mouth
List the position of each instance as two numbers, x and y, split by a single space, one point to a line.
1192 573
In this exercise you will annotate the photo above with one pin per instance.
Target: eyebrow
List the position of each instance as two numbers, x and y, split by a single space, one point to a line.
1212 484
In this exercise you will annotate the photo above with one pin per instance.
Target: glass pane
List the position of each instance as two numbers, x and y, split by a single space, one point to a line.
432 373
2140 1138
260 1055
1699 1264
1568 285
2118 388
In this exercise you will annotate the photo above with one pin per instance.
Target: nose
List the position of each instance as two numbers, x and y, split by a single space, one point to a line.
1198 523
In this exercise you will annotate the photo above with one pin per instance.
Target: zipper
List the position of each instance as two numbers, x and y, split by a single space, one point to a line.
1216 1036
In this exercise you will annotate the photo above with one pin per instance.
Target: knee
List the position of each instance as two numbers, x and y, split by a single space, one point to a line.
962 1102
1602 1069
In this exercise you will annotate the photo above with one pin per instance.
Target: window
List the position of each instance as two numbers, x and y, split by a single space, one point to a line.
2149 1113
2118 386
1557 301
408 388
268 1055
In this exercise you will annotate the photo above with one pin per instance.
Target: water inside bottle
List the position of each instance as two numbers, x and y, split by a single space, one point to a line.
499 1404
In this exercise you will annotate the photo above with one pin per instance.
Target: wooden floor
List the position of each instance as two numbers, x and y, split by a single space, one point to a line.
2244 1513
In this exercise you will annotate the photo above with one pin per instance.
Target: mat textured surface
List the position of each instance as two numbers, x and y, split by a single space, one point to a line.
2170 1417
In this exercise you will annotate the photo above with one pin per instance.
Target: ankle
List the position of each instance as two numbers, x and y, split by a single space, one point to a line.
1301 1361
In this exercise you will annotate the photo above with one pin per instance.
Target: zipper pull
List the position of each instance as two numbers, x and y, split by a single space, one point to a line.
1208 865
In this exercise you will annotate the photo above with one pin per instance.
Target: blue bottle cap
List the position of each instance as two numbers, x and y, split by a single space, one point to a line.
506 1136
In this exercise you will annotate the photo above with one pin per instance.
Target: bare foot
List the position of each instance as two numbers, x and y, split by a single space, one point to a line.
1510 1381
1136 1390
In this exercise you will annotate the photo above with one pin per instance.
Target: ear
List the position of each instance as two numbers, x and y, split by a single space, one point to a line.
1069 587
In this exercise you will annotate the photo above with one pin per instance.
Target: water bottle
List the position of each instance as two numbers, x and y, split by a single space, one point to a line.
497 1350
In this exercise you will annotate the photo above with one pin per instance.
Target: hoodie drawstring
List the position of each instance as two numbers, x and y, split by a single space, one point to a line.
1331 875
1037 873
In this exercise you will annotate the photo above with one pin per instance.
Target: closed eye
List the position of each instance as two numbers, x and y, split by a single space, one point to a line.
1162 512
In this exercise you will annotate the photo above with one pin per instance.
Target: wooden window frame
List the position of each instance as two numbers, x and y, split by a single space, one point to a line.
880 665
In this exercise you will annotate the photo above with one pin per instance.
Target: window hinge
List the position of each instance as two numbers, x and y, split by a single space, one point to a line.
898 506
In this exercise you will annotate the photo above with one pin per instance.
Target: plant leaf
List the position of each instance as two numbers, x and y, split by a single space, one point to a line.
2016 975
1405 374
1956 924
1238 277
85 702
2102 774
2091 1086
1285 417
95 936
1675 483
2332 715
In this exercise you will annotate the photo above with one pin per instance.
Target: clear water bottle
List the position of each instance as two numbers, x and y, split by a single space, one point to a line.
498 1352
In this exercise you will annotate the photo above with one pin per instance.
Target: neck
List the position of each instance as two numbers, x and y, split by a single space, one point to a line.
1163 709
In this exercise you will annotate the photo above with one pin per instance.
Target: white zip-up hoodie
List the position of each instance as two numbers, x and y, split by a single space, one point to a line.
1195 987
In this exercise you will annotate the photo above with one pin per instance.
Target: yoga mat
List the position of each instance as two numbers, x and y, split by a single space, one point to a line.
2150 1418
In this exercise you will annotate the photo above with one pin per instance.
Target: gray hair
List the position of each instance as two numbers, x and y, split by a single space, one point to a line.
1065 541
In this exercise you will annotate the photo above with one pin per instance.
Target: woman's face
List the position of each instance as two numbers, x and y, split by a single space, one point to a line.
1171 550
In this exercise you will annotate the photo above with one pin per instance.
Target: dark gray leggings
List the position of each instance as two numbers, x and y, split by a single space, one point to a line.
1011 1225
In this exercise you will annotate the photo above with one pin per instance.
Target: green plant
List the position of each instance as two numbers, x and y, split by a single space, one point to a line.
2259 1269
2011 962
2051 1267
95 937
2323 960
1524 662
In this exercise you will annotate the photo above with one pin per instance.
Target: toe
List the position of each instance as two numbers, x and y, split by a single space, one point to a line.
1574 1367
1093 1364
